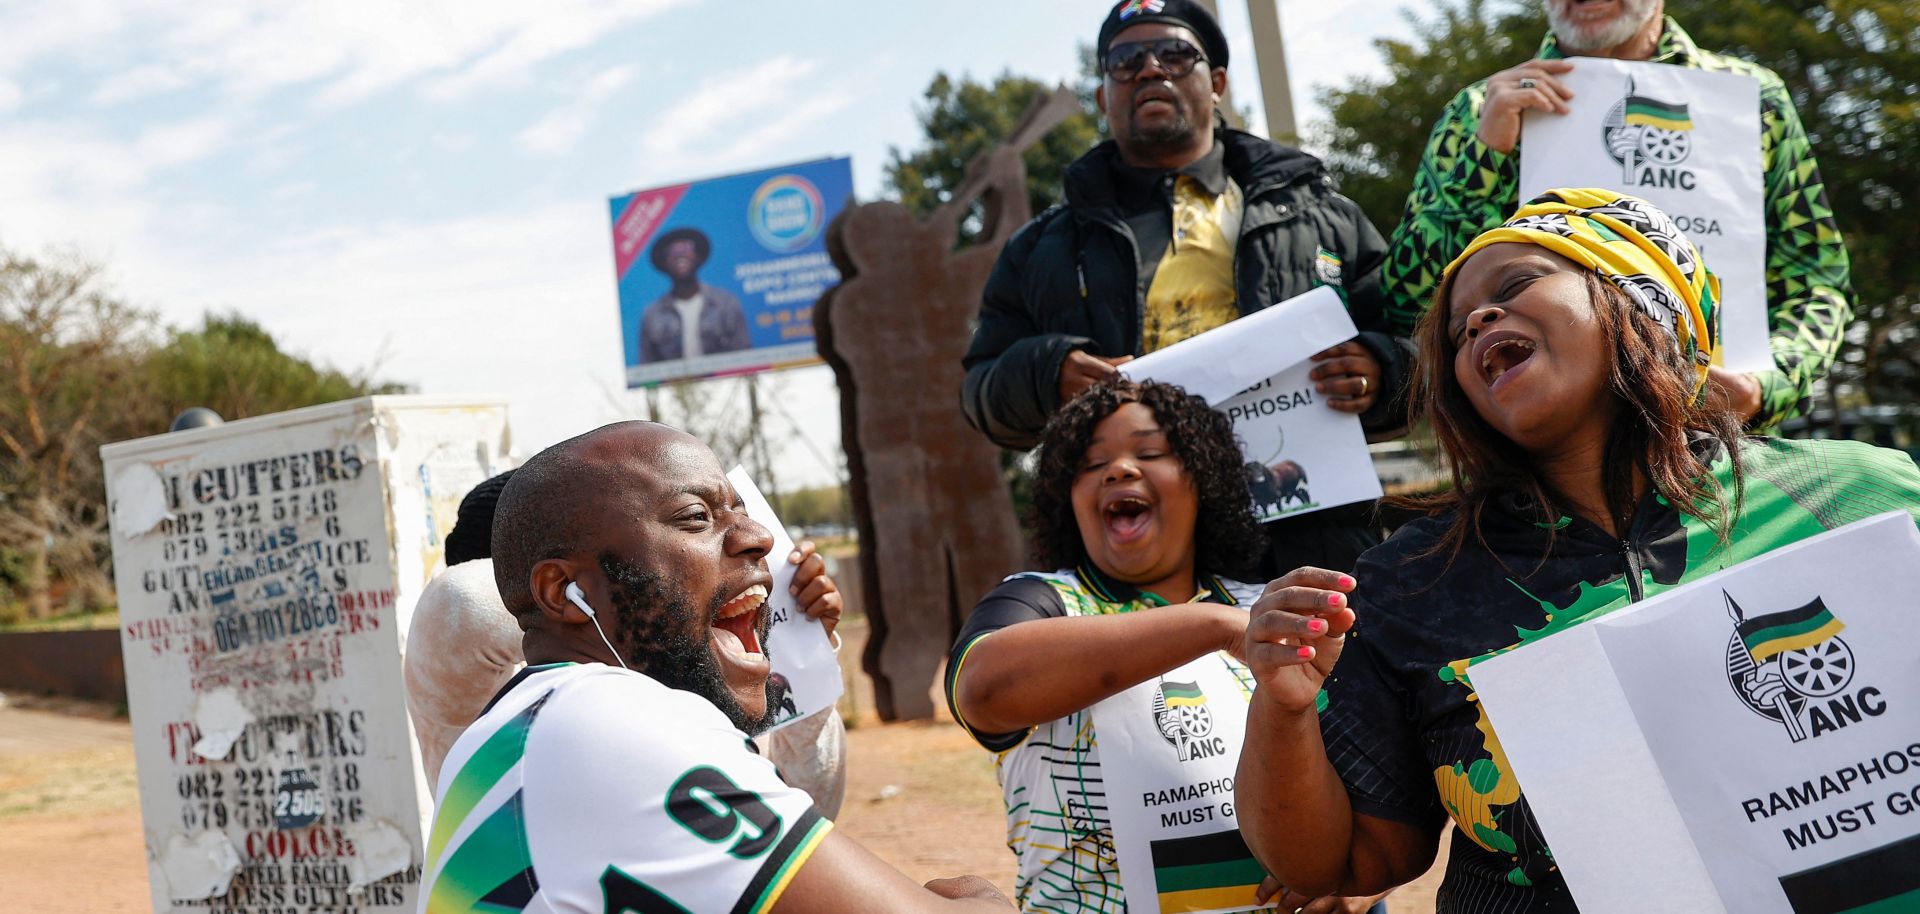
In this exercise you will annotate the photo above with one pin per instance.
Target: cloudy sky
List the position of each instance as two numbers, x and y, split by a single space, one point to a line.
422 186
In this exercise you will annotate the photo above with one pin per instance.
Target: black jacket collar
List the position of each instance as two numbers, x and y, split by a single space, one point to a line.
1255 164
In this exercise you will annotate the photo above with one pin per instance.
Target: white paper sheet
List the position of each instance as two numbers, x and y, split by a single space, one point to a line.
1706 175
1301 455
1656 770
798 647
1228 359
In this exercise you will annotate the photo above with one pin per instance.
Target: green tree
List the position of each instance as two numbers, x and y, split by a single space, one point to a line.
234 367
816 506
963 118
68 351
1377 127
79 367
1853 67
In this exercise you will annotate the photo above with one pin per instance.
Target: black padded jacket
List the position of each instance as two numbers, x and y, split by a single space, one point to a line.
1070 279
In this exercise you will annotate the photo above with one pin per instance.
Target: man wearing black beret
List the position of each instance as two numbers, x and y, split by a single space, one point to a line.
1176 226
693 318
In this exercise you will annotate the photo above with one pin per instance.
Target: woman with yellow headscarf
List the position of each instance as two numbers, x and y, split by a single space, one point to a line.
1562 365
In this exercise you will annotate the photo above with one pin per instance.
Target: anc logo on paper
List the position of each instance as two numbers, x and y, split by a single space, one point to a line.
1133 8
786 214
1650 139
1180 714
1792 667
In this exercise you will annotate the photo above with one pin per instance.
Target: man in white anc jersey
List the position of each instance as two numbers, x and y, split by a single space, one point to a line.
614 774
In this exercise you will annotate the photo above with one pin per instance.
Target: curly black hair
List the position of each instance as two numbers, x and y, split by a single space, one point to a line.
1227 539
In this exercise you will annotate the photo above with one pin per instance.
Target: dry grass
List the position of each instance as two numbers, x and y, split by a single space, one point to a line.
74 784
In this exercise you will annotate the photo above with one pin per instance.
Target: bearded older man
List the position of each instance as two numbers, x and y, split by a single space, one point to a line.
1469 181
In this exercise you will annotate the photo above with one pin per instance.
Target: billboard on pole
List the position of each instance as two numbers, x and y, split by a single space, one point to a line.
719 277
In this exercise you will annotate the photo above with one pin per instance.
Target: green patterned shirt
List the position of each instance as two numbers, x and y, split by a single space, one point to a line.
1463 188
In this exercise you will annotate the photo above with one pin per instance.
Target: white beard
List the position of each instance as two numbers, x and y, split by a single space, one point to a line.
1577 38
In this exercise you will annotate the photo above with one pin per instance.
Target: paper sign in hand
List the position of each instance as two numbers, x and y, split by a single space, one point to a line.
1229 359
806 675
1301 455
1685 140
1743 742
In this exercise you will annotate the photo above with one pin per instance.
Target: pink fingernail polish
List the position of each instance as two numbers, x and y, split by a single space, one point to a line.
1335 599
1306 653
1317 626
1346 581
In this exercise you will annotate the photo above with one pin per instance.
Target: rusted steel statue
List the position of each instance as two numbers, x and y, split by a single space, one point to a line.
936 523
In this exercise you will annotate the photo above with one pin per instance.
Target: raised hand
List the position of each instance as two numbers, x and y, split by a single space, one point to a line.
1299 625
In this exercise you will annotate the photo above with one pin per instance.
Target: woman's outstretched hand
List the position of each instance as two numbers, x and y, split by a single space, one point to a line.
1299 625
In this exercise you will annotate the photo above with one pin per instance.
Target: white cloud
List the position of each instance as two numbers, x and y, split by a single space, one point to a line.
561 129
66 184
792 122
297 190
9 95
182 142
744 117
515 303
725 99
139 83
31 30
454 142
536 32
346 49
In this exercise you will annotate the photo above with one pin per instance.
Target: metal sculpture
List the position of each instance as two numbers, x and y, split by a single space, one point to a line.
936 522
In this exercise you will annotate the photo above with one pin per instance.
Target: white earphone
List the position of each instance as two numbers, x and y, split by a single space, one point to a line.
579 599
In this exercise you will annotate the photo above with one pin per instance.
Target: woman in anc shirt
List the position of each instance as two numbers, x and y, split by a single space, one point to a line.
1562 366
1141 504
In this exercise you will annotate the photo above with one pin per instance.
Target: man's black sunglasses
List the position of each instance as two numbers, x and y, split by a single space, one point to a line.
1126 59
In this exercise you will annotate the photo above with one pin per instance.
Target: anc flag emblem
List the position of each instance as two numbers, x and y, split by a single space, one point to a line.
1885 879
1182 694
1776 633
1647 112
1132 8
1205 872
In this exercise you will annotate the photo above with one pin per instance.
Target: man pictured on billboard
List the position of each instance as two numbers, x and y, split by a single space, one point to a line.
692 318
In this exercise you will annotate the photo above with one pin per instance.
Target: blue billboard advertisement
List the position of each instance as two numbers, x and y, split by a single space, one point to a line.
719 277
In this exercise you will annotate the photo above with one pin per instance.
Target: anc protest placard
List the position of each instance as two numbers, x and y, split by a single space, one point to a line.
1685 140
1747 742
1301 455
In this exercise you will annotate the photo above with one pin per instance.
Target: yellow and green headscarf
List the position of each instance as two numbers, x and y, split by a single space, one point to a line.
1632 245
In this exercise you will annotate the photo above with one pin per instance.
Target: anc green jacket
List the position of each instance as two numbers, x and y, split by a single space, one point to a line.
1464 188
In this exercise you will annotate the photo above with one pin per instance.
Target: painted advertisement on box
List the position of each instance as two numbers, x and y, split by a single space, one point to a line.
258 567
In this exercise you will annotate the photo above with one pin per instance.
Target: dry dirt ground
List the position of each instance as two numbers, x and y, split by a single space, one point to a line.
920 795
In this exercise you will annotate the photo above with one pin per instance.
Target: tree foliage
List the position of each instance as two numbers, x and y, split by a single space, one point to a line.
232 366
962 118
1377 127
80 367
69 349
1853 67
817 506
